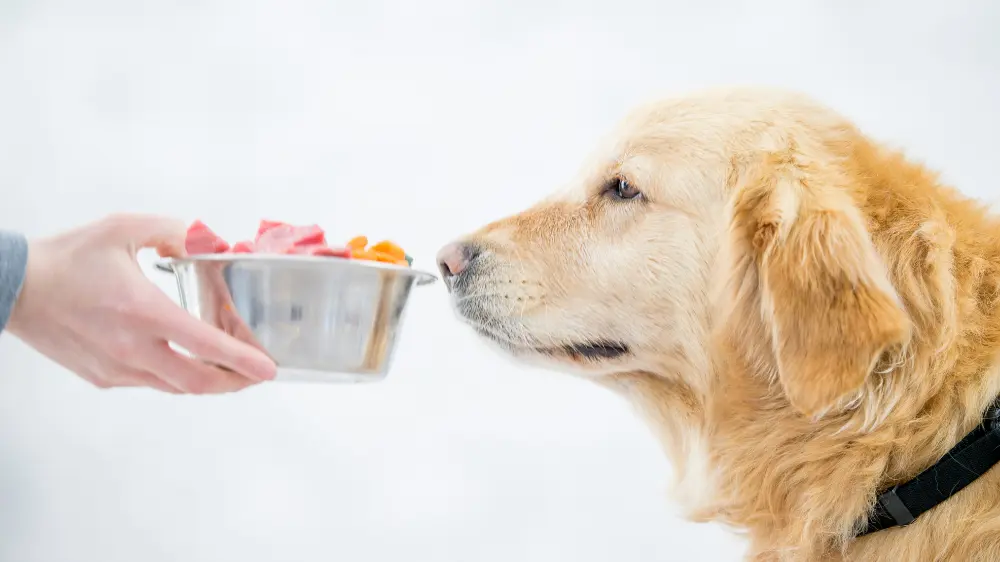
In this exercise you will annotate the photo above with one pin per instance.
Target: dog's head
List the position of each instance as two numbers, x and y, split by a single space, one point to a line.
725 212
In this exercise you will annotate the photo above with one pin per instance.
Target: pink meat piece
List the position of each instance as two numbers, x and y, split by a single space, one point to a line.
201 240
320 250
266 225
273 237
280 239
327 251
244 247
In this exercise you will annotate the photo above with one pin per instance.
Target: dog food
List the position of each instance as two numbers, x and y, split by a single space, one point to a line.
282 238
384 251
201 240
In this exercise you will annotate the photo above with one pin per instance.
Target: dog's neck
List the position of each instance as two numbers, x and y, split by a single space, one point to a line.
744 457
674 400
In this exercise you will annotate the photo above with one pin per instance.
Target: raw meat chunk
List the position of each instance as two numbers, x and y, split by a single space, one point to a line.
274 237
266 225
320 250
201 240
244 247
279 239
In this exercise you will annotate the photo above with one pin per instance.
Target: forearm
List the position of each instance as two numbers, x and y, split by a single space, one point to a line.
13 262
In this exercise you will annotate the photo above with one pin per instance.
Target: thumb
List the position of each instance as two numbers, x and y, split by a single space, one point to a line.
139 231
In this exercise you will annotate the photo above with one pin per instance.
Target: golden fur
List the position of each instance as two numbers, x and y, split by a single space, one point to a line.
811 317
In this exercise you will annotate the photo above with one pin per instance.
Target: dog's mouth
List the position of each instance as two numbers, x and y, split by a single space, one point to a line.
590 351
515 338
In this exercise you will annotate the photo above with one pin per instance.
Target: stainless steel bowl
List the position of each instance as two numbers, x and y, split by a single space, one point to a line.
319 318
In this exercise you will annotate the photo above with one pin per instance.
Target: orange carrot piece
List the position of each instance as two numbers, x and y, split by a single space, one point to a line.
387 247
358 243
364 255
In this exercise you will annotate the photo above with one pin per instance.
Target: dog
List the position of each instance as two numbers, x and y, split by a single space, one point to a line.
805 317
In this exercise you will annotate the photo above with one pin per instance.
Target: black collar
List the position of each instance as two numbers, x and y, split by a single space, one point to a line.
971 458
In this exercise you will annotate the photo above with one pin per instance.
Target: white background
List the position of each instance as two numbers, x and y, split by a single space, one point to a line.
415 121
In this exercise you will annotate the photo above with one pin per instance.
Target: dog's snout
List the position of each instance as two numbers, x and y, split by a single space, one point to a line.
455 258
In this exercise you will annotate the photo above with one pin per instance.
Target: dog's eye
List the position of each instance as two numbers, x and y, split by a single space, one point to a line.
621 188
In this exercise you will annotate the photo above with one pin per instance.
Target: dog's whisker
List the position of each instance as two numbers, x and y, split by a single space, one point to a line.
482 295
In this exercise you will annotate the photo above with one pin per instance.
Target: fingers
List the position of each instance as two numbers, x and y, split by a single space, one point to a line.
154 320
163 369
191 375
138 231
215 346
157 315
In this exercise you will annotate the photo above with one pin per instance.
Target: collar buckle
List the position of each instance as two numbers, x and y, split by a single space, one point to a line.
992 418
894 506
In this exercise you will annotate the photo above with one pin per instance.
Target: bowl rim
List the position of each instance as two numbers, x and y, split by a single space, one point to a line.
423 277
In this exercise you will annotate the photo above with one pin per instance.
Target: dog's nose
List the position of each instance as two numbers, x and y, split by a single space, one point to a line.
455 258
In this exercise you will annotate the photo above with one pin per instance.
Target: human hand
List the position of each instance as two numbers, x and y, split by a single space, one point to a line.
86 304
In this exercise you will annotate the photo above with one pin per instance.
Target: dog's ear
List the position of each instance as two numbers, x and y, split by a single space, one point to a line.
822 292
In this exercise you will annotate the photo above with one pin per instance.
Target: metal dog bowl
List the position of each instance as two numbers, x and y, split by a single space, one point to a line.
319 318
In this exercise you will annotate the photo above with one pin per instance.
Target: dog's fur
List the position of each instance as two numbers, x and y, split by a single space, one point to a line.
809 317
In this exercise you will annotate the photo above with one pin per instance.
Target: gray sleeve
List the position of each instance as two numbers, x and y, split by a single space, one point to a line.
13 263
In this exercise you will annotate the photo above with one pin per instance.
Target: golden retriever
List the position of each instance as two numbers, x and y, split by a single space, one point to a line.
804 316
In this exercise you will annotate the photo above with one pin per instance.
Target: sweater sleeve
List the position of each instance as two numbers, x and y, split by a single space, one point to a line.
13 264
